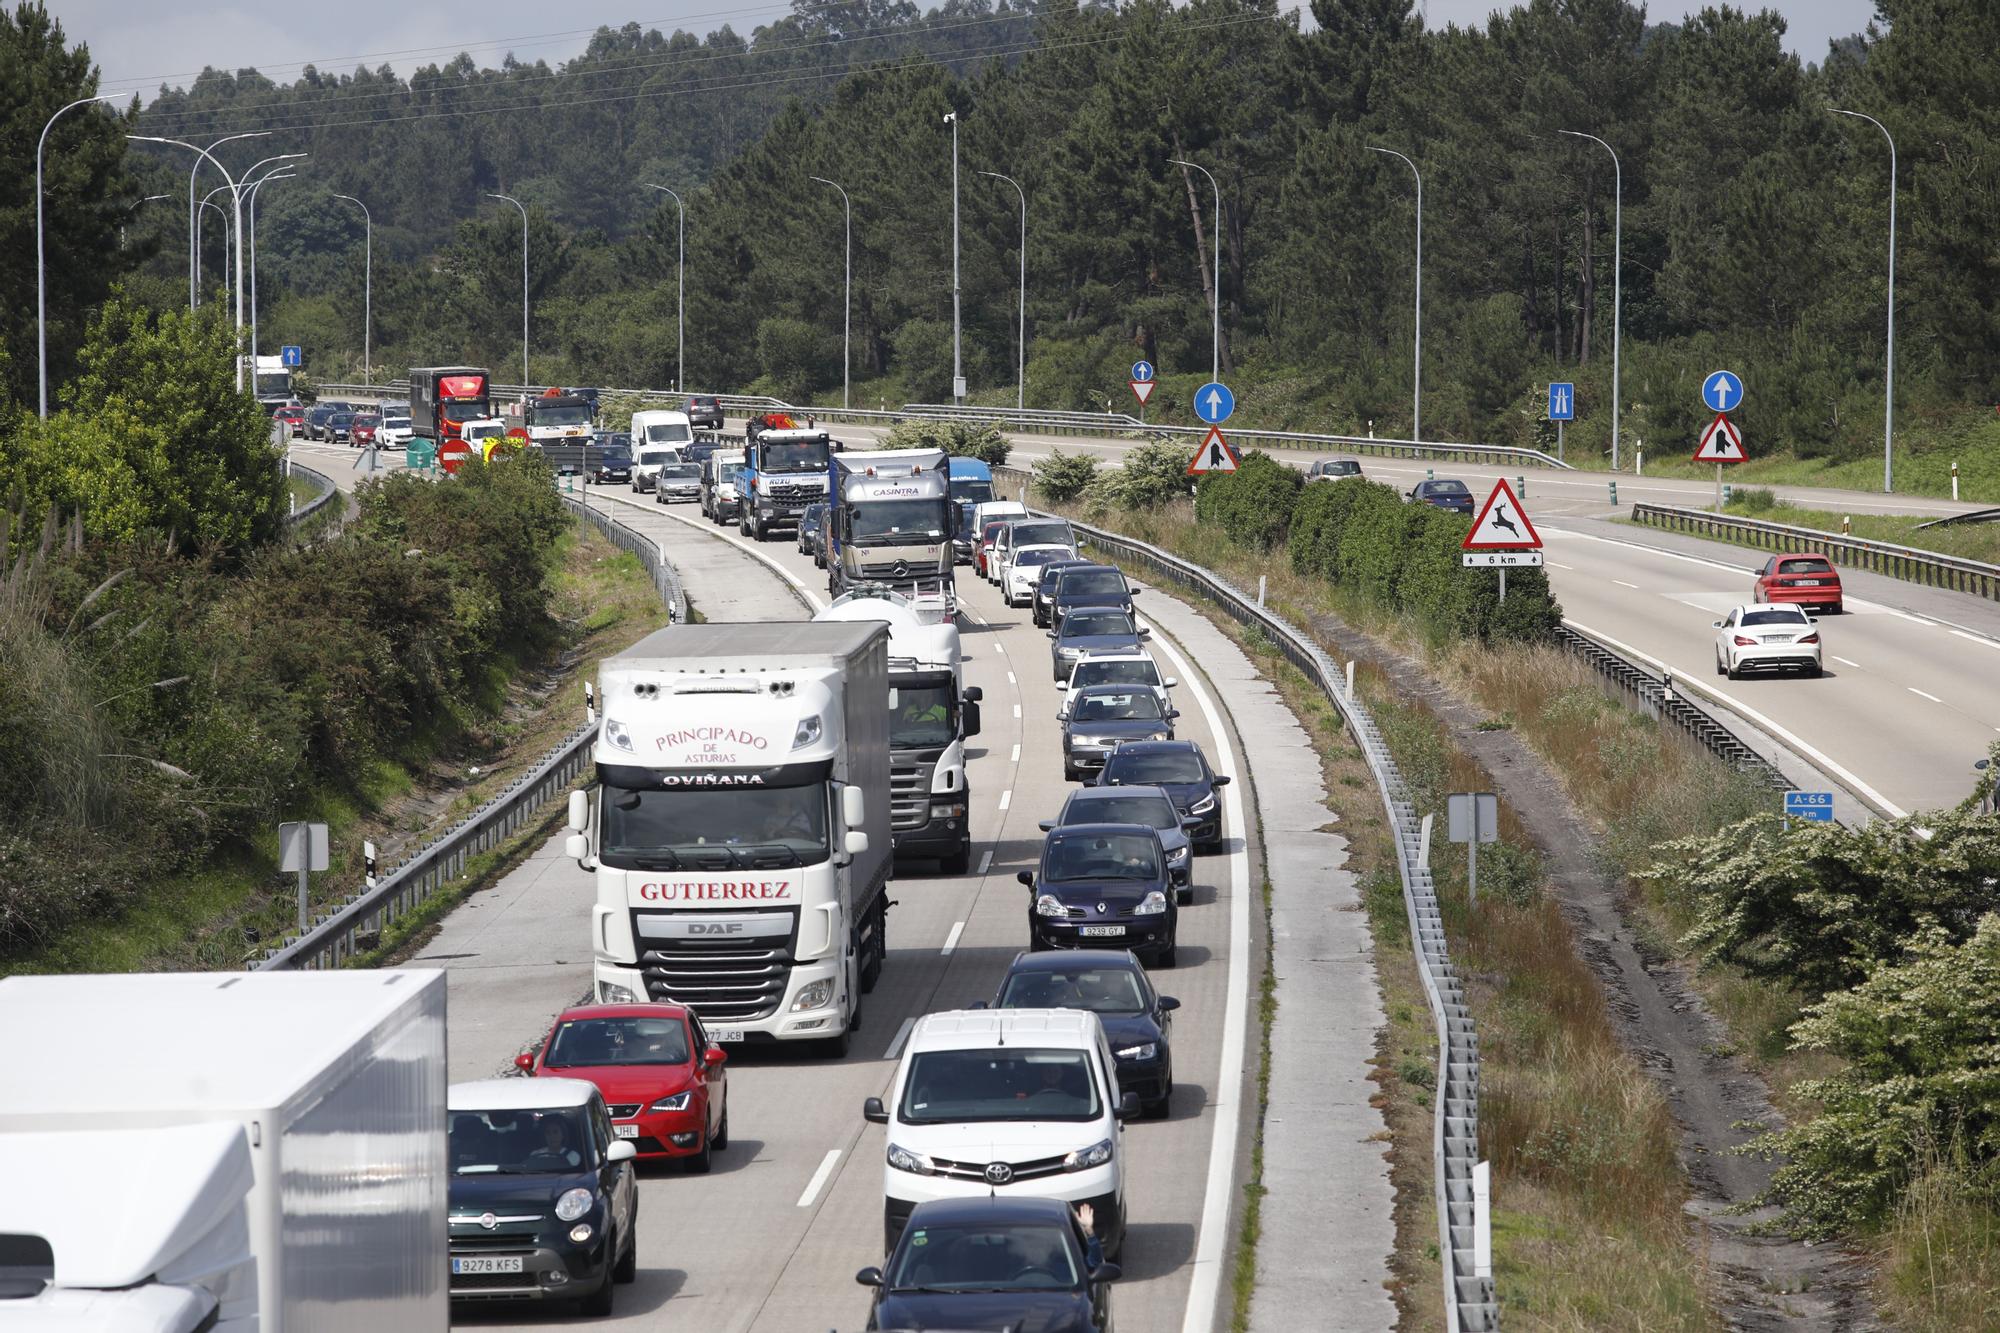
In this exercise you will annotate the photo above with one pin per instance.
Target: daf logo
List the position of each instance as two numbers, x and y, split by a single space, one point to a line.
715 928
998 1173
488 1220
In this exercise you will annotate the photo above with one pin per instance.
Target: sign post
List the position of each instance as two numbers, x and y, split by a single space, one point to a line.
302 847
1472 818
1501 536
1562 407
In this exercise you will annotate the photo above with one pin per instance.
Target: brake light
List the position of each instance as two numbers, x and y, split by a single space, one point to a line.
1810 638
1742 642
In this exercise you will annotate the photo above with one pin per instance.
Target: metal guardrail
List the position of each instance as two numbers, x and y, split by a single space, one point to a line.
1901 562
353 927
327 491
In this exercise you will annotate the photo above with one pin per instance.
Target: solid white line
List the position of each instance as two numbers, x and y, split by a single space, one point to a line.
1006 798
1211 1240
1846 662
999 647
820 1177
951 940
986 860
1687 682
1623 584
1923 694
1974 638
896 1042
1016 756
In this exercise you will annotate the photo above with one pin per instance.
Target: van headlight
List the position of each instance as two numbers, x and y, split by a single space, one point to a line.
574 1204
914 1162
1097 1154
818 995
810 730
619 735
1152 904
1049 905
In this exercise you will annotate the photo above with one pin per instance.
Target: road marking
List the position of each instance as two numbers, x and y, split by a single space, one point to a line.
951 940
820 1177
896 1042
1974 638
1923 694
1560 565
999 647
1623 584
1847 662
986 861
1006 798
1016 756
1017 710
1010 678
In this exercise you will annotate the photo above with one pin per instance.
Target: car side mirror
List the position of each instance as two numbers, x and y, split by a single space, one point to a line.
1062 715
1173 713
1145 632
869 1277
1052 634
1046 825
525 1062
1222 779
1106 1272
1716 623
1128 1106
874 1112
715 1055
977 1004
623 1150
1026 877
1168 1004
1170 682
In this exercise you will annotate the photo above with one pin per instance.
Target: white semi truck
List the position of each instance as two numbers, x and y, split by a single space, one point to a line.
254 1152
931 715
739 829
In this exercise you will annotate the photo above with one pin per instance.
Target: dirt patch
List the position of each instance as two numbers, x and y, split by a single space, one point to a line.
1761 1282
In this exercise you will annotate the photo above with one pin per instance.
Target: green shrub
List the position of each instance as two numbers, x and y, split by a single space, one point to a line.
960 439
798 358
1153 475
1318 520
1373 544
1254 503
1061 477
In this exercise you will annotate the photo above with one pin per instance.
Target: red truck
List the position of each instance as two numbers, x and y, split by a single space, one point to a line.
442 399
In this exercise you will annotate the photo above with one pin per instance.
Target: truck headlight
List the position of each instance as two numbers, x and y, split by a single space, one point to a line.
1097 1154
810 730
1152 904
903 1159
574 1204
1203 806
677 1102
1048 904
818 995
619 735
611 993
947 811
1144 1052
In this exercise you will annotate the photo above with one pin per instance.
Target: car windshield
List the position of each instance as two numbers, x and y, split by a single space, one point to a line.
1093 583
668 432
1042 534
1159 766
1102 990
999 1083
885 519
342 418
1804 567
768 827
1131 671
519 1143
1157 811
680 472
926 715
1127 706
1449 488
585 1042
562 414
1100 856
1025 1257
1097 622
367 419
1779 617
805 456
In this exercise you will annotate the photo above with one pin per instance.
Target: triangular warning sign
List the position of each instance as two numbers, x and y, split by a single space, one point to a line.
1215 455
1143 389
1721 442
1502 525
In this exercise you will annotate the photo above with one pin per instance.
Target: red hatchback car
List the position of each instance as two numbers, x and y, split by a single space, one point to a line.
1803 578
294 419
661 1076
984 547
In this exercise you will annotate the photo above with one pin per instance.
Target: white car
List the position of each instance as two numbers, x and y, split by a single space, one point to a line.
1024 570
1000 1102
1765 636
1116 669
394 432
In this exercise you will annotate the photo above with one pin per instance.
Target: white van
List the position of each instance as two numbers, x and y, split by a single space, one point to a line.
657 439
1005 1101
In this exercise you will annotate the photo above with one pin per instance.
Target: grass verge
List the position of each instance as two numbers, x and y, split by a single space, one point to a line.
1243 1275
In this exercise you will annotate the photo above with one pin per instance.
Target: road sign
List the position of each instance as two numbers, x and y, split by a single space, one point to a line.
1472 814
1500 559
1213 402
1502 525
1816 806
1722 442
1142 389
452 453
292 356
1722 391
1562 402
1142 372
302 846
1215 455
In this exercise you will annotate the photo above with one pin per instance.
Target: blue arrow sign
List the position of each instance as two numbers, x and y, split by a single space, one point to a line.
1813 805
1213 402
1722 391
1562 402
293 356
1142 371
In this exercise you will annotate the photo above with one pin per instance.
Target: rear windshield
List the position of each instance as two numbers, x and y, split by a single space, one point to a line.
1785 617
1086 582
1449 488
1804 567
1097 622
1136 671
1149 769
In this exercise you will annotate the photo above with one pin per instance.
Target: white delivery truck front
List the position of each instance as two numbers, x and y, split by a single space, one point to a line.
739 831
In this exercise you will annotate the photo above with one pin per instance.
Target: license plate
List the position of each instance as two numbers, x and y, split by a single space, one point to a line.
487 1264
1101 930
725 1034
625 1131
1805 583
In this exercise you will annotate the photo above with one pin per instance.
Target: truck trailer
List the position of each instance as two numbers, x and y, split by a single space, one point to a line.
739 829
257 1152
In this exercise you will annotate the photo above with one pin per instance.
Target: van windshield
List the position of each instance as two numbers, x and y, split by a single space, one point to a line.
668 432
999 1083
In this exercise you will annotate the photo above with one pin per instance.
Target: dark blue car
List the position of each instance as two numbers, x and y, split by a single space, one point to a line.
1443 493
990 1264
1138 1020
1104 886
1180 769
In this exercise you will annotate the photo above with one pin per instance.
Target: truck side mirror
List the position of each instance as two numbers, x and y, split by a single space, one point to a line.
874 1112
856 842
577 848
973 694
971 717
853 806
579 811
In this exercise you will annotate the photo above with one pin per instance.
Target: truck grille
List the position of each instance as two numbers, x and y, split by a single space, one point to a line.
722 980
792 490
909 793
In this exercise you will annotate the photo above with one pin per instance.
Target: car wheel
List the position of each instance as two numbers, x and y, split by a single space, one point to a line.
1720 670
959 862
1815 670
1168 956
836 1048
627 1269
1159 1110
698 1164
722 1131
598 1303
1071 775
1184 896
1731 671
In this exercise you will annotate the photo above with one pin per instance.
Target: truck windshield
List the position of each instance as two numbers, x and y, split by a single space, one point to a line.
669 432
519 1143
972 490
562 414
998 1083
805 456
274 384
893 522
470 410
926 715
734 826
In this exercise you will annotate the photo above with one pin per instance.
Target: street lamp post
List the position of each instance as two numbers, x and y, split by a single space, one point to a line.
41 281
1417 402
1617 274
1215 341
149 199
1889 373
957 367
222 213
524 283
1021 334
847 299
367 288
255 188
680 363
235 193
194 260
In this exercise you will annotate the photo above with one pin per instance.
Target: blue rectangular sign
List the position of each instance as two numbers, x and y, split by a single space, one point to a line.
1562 402
1813 805
292 356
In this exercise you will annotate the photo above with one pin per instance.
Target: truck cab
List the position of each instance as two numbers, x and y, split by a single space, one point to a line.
559 418
890 522
784 472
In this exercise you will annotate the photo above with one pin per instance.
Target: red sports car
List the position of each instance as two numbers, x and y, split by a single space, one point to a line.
660 1076
1804 578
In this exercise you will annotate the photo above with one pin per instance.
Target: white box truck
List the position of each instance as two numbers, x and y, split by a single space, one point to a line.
739 830
241 1152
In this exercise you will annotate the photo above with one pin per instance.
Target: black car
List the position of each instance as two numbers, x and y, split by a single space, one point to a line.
1089 585
543 1202
996 1264
1131 804
1103 885
339 426
316 419
1332 469
1180 769
1084 630
613 464
1043 601
812 528
1138 1020
1102 717
704 409
1443 493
